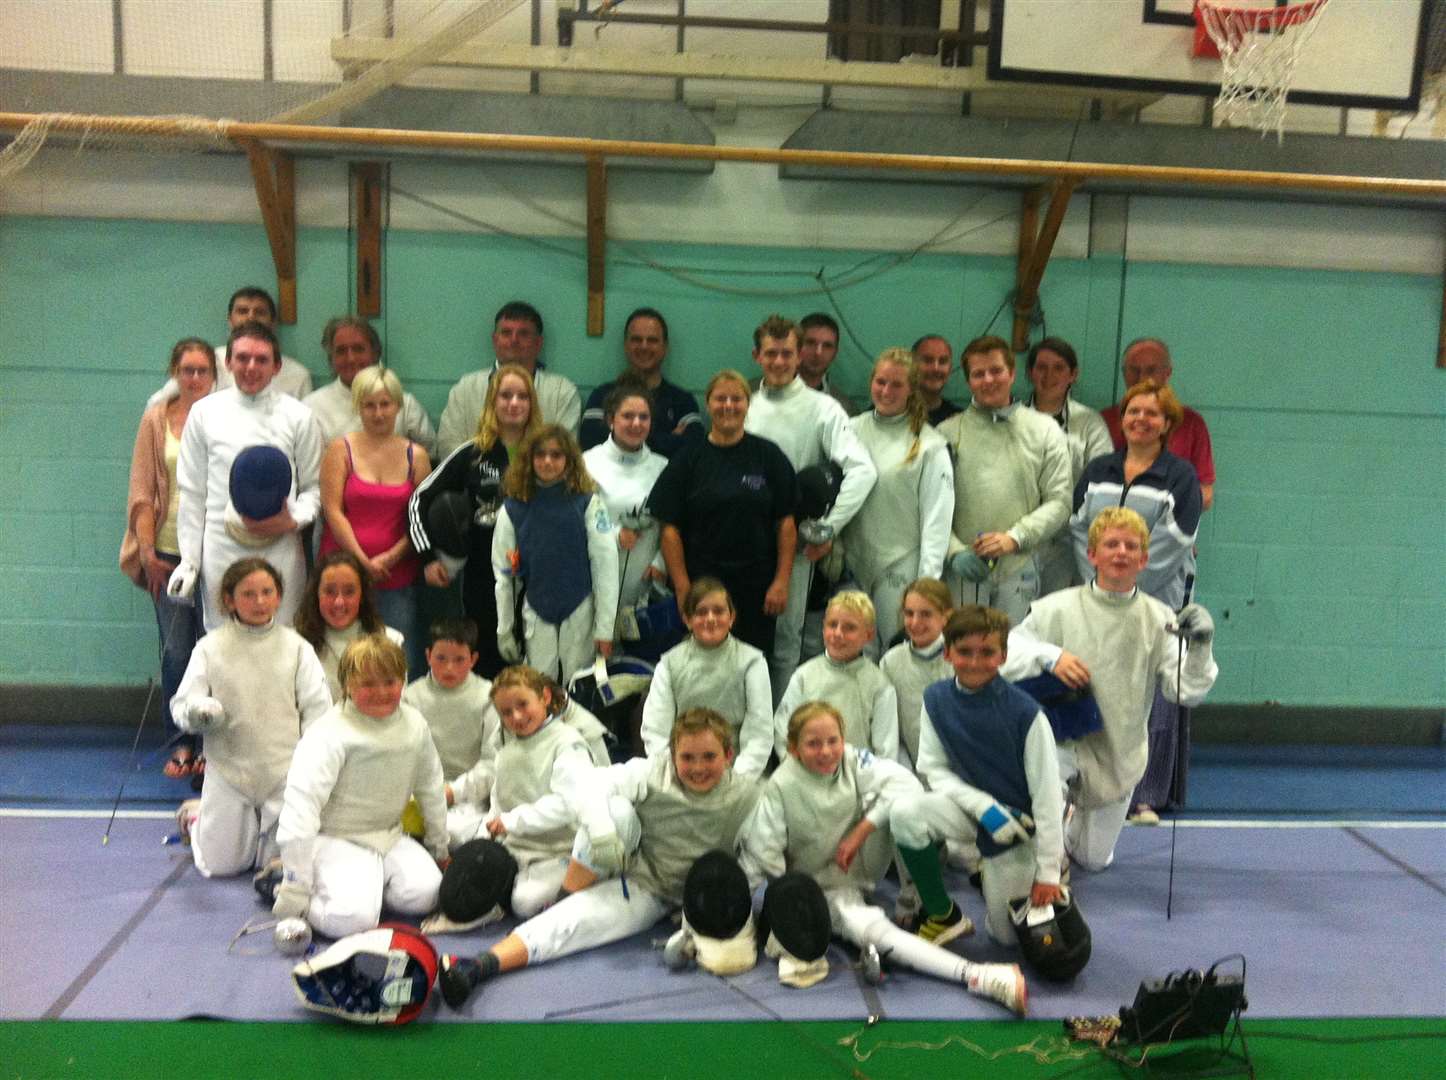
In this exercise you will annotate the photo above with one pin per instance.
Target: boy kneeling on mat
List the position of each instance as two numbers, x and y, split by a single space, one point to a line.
987 754
1121 643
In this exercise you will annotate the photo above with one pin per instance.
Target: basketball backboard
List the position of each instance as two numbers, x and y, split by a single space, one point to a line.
1365 54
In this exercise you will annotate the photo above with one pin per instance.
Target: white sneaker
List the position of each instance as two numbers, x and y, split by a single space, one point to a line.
1003 983
679 952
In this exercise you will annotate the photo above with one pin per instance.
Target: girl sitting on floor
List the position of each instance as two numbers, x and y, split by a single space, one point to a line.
542 781
467 794
825 813
251 688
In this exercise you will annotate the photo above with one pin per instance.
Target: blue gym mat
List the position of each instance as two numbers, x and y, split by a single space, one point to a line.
1335 919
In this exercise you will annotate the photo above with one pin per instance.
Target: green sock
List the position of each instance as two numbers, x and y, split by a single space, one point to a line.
923 864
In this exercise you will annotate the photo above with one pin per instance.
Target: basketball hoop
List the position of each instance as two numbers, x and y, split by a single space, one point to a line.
1258 49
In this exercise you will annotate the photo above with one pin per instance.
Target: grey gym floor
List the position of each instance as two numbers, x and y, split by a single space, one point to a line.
1324 868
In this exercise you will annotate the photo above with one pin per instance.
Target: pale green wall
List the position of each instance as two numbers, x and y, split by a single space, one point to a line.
1327 544
1322 560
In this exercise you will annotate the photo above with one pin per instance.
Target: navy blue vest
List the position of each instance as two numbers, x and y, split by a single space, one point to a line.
552 541
984 734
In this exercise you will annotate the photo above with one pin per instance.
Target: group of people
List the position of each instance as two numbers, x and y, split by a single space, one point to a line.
855 589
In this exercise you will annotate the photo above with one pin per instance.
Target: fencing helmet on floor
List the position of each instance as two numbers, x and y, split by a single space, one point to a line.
613 691
796 913
382 976
718 911
1056 945
479 877
797 925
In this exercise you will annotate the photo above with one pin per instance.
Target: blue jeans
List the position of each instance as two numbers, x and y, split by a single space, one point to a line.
180 627
398 609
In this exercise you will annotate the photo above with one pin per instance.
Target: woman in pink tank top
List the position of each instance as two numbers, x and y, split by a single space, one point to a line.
367 479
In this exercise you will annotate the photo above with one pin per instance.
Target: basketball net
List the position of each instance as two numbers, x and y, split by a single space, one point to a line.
1258 50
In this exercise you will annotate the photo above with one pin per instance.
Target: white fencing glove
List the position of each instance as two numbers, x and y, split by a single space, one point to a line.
680 952
1196 625
1003 826
606 853
292 900
204 713
969 566
183 581
508 648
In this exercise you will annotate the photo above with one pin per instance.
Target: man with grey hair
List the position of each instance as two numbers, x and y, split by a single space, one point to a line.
1149 358
352 345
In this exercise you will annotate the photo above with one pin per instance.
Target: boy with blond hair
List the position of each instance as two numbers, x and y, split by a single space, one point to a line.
1121 643
343 852
847 679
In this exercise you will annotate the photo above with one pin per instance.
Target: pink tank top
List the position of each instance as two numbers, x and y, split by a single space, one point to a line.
378 516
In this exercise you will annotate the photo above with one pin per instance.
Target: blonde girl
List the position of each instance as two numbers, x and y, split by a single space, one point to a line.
473 473
918 660
902 530
825 813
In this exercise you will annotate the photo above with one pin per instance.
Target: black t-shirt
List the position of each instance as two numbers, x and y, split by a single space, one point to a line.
943 411
726 501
